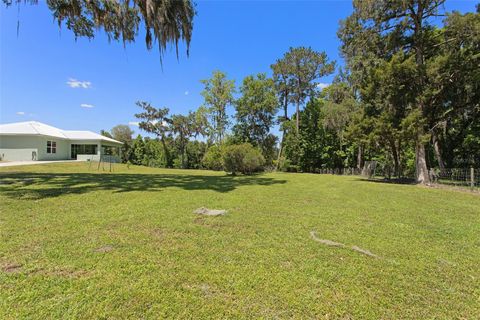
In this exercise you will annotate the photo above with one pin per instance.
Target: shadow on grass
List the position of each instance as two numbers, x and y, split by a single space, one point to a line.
388 181
45 185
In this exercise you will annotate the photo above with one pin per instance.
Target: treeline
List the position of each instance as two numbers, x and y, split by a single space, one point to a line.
412 85
172 153
407 97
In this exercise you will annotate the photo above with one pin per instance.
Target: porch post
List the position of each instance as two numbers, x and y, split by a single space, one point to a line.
99 150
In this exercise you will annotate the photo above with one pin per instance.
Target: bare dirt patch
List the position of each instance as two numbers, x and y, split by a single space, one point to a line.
104 249
12 268
210 212
158 233
364 251
331 243
464 189
200 221
205 289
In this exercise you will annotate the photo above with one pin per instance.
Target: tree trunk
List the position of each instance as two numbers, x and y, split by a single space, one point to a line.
280 150
436 150
400 158
360 157
165 150
421 163
298 117
285 106
396 158
285 110
420 155
183 158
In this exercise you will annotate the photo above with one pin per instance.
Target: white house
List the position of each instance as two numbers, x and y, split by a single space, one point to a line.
33 140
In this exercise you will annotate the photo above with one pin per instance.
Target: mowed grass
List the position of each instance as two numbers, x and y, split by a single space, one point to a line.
78 243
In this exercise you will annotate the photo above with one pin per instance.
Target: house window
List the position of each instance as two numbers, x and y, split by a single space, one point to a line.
51 147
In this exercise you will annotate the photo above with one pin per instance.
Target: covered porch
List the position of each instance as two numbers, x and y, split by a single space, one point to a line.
95 151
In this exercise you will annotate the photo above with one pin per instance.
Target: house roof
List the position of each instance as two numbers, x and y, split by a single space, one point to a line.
41 129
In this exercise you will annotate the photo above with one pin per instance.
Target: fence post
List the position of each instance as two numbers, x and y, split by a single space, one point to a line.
472 177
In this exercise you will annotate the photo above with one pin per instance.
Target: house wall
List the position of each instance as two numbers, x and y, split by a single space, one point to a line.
63 149
18 148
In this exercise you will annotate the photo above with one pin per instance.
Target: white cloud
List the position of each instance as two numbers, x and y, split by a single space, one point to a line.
20 113
133 123
322 85
86 105
74 83
164 123
186 93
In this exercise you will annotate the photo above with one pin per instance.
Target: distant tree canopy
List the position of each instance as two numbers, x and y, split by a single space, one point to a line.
122 133
408 96
297 74
165 21
255 114
218 95
415 81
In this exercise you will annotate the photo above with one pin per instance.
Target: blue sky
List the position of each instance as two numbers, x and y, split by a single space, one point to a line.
93 84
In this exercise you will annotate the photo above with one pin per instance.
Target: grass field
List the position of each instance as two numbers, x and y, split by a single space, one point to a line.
76 243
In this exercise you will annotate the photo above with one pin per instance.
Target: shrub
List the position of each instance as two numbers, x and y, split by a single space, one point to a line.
213 158
283 164
233 158
242 158
177 163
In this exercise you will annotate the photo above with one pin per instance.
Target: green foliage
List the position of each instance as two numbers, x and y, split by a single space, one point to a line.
164 21
417 84
105 133
124 134
156 121
297 73
291 142
138 150
392 33
150 152
255 114
195 152
243 158
218 94
316 146
213 158
153 120
186 127
407 98
154 154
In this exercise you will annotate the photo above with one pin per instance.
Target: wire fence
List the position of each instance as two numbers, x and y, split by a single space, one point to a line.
458 177
463 177
340 171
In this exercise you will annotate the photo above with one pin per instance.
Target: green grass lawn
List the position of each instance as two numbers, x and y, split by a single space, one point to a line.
77 243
